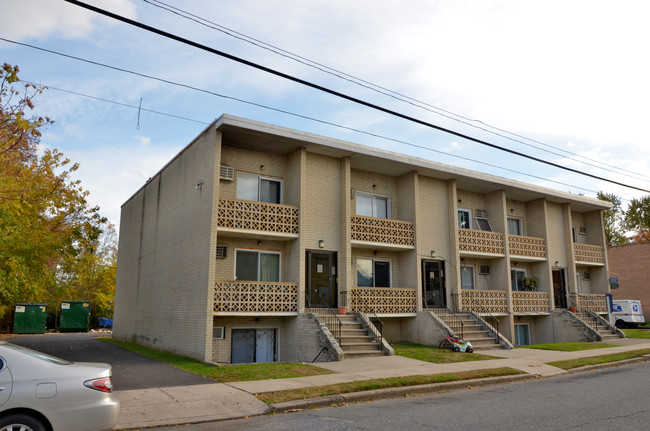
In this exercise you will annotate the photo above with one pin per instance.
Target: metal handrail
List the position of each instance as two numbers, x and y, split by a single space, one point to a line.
454 323
476 307
374 315
326 313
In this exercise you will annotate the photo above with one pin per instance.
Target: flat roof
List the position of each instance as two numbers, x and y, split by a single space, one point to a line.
258 136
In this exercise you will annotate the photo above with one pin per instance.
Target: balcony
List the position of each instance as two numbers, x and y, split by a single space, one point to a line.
590 255
485 302
592 301
257 219
480 243
381 233
236 298
530 303
527 248
383 300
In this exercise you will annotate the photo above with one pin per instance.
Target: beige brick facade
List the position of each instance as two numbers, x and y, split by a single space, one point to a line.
170 229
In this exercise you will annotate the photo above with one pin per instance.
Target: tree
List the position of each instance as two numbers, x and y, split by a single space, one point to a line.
613 219
45 219
637 216
642 235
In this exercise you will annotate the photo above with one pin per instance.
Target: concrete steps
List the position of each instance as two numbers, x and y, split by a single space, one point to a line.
605 332
473 331
355 340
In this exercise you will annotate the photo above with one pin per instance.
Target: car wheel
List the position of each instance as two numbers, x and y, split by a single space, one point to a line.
620 324
469 350
20 422
456 349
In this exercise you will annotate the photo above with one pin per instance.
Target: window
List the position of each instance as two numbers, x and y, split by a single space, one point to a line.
255 188
517 279
578 283
483 223
467 277
514 226
373 205
373 273
522 334
253 265
464 218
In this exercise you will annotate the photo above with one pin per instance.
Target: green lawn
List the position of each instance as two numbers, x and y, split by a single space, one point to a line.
640 332
225 373
436 355
569 347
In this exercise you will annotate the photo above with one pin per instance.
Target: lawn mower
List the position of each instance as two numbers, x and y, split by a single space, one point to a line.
456 344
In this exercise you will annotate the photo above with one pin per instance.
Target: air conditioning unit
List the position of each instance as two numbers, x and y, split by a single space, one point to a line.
226 173
586 276
484 269
222 252
219 332
481 213
582 230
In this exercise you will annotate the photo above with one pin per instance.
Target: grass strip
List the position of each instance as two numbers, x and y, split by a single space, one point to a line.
436 355
369 385
614 357
224 373
570 347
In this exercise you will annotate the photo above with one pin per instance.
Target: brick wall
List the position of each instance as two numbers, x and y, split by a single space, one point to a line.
631 264
166 260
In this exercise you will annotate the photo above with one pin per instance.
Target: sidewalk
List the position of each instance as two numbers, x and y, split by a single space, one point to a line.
220 401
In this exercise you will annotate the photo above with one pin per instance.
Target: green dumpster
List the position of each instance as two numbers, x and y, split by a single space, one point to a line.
75 316
30 318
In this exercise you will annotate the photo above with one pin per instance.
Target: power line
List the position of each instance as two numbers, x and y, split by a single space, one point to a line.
387 92
337 93
115 102
352 129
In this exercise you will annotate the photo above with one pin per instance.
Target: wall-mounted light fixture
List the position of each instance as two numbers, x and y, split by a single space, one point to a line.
199 185
557 262
259 243
433 253
261 167
374 186
321 243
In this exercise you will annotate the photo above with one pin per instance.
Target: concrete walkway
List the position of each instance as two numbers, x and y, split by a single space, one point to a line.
219 401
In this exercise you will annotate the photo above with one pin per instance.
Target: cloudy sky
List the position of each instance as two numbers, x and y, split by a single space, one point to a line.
566 81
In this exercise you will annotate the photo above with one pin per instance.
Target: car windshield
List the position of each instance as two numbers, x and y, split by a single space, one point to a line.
35 354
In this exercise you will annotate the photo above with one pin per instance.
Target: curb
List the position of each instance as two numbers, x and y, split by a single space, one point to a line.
380 394
584 368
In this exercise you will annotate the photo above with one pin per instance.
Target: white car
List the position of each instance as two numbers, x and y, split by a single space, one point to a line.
39 392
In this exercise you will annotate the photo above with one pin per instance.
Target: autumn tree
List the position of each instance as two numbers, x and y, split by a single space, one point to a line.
45 219
613 219
637 216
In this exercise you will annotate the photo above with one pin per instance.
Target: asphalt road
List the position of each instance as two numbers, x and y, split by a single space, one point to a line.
609 399
130 370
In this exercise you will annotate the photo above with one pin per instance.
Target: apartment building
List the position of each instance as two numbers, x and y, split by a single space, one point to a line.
260 243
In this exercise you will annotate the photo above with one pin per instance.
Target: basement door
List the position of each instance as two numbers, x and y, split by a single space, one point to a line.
321 279
253 345
434 292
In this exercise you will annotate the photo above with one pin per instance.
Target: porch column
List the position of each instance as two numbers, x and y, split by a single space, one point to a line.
345 278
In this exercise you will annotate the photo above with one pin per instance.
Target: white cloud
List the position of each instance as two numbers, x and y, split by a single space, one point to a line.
38 19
